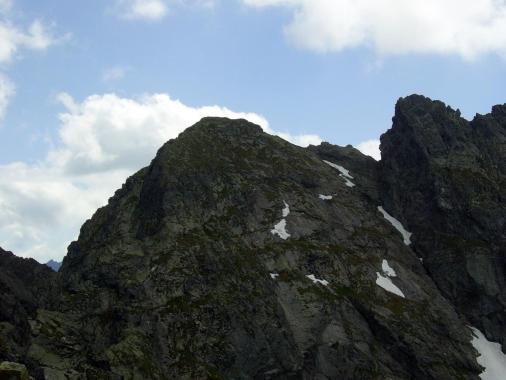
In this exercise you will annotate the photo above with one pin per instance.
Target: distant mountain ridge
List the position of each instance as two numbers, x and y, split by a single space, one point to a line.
54 265
237 255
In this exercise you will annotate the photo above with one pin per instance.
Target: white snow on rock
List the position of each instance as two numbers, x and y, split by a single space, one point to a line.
280 228
388 285
325 197
398 226
274 275
286 210
342 170
383 279
491 357
316 280
387 269
347 182
344 173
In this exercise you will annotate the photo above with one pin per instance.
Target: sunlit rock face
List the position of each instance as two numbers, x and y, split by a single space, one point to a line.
237 255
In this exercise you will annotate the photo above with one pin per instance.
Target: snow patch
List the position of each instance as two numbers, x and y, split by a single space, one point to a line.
274 275
342 170
344 173
388 285
491 357
280 228
383 279
387 269
398 226
325 197
316 280
286 210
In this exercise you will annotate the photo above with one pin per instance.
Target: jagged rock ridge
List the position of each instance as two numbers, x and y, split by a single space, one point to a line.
236 255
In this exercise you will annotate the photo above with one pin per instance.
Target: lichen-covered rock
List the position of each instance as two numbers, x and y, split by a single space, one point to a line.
13 371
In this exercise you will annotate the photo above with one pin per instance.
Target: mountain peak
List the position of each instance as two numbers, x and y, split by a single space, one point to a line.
236 254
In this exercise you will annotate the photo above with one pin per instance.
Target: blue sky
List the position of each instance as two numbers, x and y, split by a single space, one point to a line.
323 68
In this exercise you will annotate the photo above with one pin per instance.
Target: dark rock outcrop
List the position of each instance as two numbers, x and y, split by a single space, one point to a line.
445 178
25 285
236 255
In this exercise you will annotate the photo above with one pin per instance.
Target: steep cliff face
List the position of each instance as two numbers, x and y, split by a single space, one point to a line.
236 255
445 178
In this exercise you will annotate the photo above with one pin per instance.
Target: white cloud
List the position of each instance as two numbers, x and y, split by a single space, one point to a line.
467 28
114 73
37 37
150 10
102 141
370 148
7 90
12 39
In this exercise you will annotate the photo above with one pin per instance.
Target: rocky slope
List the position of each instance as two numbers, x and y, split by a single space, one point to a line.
236 255
25 285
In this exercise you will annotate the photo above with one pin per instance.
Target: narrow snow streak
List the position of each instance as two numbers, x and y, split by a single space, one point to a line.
491 357
325 197
398 226
383 279
344 173
347 182
280 228
388 285
316 280
342 170
274 275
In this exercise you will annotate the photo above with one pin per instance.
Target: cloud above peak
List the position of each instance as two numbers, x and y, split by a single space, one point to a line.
101 141
466 28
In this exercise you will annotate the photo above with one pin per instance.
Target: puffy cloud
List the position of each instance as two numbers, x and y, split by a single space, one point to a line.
102 141
7 90
467 28
370 148
150 10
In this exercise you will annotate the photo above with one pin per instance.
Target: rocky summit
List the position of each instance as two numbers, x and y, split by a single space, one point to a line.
237 255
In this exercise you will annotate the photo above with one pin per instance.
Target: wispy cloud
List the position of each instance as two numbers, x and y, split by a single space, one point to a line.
149 10
7 90
114 73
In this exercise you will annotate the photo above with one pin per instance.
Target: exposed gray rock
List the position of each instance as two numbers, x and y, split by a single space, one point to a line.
172 278
445 178
180 276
